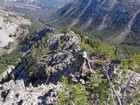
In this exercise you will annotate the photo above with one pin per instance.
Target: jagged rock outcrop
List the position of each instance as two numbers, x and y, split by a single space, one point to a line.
15 92
61 61
21 91
62 58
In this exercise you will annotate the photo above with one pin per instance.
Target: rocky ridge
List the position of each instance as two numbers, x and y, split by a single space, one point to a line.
61 61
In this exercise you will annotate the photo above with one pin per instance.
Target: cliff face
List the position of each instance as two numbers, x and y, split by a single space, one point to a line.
10 26
112 20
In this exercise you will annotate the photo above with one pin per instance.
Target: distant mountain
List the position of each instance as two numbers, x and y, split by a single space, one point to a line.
52 3
111 20
42 3
34 9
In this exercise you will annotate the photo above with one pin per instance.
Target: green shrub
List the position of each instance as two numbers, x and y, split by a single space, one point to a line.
9 59
72 94
132 64
3 67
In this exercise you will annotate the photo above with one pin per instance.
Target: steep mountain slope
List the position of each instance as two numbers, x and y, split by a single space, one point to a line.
112 20
10 26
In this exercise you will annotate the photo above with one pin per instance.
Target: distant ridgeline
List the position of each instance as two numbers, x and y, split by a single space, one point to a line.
44 4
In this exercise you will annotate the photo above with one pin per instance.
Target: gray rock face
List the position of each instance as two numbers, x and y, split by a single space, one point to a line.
9 25
61 61
15 93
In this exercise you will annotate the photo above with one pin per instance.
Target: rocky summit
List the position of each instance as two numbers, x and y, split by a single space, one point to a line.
19 88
